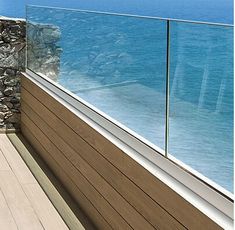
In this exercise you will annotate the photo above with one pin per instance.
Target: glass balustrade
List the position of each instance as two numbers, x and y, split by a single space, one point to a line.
201 99
118 64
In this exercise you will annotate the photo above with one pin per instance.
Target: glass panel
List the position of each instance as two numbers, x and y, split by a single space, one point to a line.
201 99
116 63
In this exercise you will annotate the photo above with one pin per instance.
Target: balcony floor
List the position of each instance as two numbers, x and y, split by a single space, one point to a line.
23 203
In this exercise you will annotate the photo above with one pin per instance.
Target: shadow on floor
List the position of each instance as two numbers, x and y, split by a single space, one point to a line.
63 202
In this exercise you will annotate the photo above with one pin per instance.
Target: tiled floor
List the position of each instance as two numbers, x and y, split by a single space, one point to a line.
23 203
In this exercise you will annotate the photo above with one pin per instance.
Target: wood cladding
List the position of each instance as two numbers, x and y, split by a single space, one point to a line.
111 188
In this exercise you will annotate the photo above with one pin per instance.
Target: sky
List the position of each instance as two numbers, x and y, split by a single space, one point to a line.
220 11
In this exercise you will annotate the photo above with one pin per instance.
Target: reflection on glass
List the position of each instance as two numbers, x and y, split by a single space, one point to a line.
43 51
116 63
201 99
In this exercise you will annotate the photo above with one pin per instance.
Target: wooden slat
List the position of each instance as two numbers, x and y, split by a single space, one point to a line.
111 195
24 192
16 162
45 211
85 186
151 210
84 203
18 203
6 219
188 215
3 162
63 203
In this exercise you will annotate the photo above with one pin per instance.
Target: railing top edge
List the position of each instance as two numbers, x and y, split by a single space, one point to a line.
135 16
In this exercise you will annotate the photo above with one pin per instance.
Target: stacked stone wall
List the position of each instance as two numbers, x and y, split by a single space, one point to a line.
43 59
12 62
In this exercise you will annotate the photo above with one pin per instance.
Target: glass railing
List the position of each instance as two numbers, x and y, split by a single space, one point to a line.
170 82
201 99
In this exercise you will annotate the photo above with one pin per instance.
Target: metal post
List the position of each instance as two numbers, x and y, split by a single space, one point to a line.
167 85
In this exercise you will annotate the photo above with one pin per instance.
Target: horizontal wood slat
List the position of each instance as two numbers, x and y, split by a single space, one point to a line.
122 184
141 192
65 205
80 181
82 200
123 207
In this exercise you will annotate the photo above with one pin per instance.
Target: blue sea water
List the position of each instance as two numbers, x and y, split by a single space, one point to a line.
200 10
117 64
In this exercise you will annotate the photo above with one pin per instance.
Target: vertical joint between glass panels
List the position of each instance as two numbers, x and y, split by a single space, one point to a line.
26 37
167 85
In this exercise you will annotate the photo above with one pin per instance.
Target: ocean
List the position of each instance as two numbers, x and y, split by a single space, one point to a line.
117 64
220 11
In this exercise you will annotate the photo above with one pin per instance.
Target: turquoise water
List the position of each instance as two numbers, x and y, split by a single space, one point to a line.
118 64
199 10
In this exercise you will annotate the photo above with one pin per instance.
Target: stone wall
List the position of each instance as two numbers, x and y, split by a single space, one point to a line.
12 61
43 58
